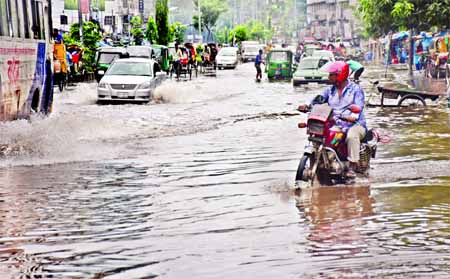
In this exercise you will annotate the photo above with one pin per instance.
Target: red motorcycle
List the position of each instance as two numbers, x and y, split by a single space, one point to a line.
325 156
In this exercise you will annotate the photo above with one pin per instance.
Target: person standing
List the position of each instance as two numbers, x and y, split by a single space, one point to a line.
258 62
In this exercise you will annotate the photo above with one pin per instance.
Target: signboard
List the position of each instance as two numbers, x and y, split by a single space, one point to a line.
141 6
96 5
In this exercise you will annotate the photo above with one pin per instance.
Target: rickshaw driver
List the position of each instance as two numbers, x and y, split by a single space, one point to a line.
258 61
177 57
341 96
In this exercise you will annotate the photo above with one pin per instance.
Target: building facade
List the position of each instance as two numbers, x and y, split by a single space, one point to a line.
113 19
332 19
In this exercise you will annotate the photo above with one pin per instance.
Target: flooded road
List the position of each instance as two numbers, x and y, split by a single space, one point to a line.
200 184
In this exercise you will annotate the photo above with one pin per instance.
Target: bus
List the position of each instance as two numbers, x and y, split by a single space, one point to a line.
25 58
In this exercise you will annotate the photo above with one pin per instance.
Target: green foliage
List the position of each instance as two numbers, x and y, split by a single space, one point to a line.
136 29
178 30
210 11
91 36
258 32
222 35
381 16
151 33
239 33
162 21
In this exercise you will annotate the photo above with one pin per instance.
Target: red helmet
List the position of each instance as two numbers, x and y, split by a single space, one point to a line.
340 68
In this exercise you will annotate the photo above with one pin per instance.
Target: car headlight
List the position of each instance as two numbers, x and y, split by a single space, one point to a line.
102 85
145 85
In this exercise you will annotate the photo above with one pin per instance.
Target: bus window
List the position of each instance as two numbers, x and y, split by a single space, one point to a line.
26 22
15 18
37 15
3 19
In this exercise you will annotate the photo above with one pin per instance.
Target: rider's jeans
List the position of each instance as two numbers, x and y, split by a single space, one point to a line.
354 136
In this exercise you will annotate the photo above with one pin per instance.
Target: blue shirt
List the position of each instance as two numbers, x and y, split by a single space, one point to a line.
258 59
352 94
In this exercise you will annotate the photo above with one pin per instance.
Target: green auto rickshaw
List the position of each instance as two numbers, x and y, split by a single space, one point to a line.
162 57
279 64
104 58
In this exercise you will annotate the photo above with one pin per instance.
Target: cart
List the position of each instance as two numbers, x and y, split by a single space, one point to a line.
406 97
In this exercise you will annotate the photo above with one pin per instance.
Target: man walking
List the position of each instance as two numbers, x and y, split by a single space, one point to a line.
258 61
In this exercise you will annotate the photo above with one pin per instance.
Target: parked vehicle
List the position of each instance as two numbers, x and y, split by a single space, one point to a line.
327 54
130 79
310 70
227 58
140 51
249 50
279 64
325 156
161 55
104 57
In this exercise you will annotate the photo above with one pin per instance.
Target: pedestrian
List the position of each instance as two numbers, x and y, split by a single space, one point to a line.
258 61
356 68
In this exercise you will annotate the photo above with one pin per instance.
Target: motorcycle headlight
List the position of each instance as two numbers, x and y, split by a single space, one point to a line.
316 127
145 85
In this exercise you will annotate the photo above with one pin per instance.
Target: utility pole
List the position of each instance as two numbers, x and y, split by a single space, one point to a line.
200 21
80 21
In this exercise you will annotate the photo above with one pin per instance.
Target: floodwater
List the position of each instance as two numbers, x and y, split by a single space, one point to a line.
200 184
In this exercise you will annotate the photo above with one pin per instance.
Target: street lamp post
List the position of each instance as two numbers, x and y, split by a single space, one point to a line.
200 21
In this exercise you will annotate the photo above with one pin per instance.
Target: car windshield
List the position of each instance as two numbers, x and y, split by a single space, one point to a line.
138 52
279 56
325 66
308 64
227 52
130 69
107 58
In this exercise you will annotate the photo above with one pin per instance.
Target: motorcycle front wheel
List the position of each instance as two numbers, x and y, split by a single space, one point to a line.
305 164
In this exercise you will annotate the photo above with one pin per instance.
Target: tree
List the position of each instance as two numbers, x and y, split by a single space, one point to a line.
162 21
381 16
210 13
91 36
151 33
178 30
136 29
239 33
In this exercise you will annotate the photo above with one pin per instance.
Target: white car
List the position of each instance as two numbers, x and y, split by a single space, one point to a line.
131 80
227 58
325 54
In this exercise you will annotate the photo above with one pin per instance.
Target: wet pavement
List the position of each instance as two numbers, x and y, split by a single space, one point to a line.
200 184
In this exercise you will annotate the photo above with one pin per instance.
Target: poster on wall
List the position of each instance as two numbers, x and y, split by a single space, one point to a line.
95 4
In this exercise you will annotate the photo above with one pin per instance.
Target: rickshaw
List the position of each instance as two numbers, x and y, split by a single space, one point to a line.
162 57
192 57
182 67
104 58
209 59
279 64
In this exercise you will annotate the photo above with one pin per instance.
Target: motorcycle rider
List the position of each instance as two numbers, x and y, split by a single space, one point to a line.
342 95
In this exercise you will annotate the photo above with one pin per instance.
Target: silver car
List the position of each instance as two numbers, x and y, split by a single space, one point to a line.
227 58
131 80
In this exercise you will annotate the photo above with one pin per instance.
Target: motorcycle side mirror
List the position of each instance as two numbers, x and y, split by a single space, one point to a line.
302 125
